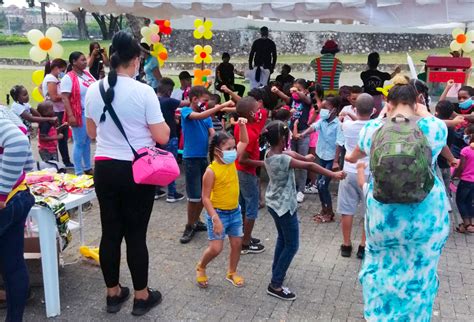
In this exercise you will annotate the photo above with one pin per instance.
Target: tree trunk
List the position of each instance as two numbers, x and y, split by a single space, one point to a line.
80 15
135 23
102 25
43 16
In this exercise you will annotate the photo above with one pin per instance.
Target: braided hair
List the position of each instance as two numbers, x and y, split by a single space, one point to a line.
217 141
15 93
275 131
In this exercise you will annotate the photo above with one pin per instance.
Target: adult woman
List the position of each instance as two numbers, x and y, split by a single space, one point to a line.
125 207
328 68
53 71
97 60
74 86
15 204
404 241
151 68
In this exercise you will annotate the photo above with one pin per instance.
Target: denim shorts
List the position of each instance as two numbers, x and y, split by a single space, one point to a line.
194 169
249 195
231 221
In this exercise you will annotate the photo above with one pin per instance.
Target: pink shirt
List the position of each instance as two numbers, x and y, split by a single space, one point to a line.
468 172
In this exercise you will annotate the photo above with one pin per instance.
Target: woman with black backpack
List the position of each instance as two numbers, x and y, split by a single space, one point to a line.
407 221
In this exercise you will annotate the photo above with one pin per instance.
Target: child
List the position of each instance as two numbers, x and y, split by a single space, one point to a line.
247 165
300 104
285 79
348 112
168 108
48 135
23 109
182 93
197 128
350 196
465 98
220 194
217 119
465 190
444 111
281 201
329 141
225 76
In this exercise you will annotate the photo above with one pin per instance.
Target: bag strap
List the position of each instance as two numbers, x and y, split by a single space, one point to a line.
108 107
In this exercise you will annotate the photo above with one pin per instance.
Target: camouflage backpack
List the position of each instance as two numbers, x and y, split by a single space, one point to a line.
400 162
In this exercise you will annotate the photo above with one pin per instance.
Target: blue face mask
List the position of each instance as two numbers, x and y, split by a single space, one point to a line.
467 139
324 114
229 156
61 75
466 104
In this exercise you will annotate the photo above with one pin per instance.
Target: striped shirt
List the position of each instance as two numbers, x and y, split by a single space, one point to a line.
327 63
15 156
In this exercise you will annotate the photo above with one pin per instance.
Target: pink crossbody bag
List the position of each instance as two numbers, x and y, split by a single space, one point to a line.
151 165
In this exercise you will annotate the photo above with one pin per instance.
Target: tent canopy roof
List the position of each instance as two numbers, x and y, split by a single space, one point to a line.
403 13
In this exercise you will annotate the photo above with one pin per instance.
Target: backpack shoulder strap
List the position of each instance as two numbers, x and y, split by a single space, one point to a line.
108 107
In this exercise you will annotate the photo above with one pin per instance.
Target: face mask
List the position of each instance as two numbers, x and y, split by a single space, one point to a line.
466 138
61 75
229 156
295 96
466 104
324 114
202 106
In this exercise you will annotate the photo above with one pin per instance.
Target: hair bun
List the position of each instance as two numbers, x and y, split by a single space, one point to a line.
400 80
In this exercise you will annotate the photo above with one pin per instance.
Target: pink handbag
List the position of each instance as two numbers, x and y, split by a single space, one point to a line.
151 165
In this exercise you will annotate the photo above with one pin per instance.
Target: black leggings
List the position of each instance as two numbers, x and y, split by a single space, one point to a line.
125 209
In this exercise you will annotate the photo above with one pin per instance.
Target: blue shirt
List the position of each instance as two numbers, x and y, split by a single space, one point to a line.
330 135
196 135
150 64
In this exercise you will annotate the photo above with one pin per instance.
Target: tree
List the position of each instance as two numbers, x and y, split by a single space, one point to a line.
80 14
135 23
31 4
109 24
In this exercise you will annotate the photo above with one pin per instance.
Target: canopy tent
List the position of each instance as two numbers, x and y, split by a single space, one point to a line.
403 13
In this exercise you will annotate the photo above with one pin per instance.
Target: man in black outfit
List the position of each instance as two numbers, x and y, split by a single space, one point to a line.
264 50
225 76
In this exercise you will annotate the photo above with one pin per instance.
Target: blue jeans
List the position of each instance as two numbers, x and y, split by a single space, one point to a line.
82 148
12 262
323 184
172 146
464 199
286 246
300 146
231 221
249 194
194 169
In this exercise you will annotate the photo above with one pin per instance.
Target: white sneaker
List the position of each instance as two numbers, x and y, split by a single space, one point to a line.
311 190
300 197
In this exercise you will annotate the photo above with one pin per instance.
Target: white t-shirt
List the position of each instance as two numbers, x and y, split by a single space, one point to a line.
351 130
264 75
136 106
349 109
84 82
18 108
177 94
57 106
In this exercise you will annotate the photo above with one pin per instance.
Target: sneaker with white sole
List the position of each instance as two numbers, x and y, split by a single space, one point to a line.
283 294
311 190
175 198
300 197
252 249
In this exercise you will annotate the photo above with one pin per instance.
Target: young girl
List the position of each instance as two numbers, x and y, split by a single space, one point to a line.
23 109
220 196
281 201
465 190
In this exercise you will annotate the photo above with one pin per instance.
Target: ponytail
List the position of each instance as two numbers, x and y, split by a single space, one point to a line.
217 140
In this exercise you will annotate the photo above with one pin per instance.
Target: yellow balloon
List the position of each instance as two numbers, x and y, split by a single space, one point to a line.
54 33
36 95
56 51
34 36
37 77
198 49
197 34
197 59
37 55
197 23
208 49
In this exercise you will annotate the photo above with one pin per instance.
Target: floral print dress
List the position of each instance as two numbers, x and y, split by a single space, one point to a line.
404 243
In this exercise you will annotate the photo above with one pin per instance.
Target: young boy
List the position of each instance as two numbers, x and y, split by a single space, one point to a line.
247 165
48 135
225 76
168 108
182 93
285 79
197 128
350 195
218 122
348 112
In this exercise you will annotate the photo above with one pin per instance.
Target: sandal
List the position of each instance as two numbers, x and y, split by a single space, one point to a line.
201 277
324 218
470 229
235 279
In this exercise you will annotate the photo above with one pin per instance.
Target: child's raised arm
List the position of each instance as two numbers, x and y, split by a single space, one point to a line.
280 94
243 138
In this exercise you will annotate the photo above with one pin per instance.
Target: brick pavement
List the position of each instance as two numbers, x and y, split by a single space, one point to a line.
326 284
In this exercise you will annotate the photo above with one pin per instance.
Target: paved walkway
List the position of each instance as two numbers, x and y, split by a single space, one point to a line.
326 284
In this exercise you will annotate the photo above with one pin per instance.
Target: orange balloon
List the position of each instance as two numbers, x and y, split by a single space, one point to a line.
461 38
167 23
45 43
163 56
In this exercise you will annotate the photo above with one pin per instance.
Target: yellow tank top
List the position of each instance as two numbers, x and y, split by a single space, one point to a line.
225 193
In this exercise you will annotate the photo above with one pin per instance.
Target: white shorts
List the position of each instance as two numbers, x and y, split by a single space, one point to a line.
350 196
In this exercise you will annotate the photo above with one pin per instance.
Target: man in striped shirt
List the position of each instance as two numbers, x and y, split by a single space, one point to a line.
328 68
15 204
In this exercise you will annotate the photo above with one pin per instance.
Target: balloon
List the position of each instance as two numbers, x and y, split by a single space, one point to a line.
208 49
34 36
163 56
204 79
456 32
54 33
45 43
145 31
155 38
201 29
154 28
37 77
198 22
455 46
197 59
196 34
468 47
56 51
166 23
36 95
37 55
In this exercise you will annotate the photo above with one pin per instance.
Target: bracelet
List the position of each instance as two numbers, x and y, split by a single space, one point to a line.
212 218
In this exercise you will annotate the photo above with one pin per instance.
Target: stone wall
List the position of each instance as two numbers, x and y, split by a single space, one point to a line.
238 42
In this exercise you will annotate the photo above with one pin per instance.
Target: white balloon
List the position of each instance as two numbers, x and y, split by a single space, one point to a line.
34 36
56 51
37 55
55 34
154 28
456 32
468 47
145 31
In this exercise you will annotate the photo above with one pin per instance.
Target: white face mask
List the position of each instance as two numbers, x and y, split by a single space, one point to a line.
137 69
